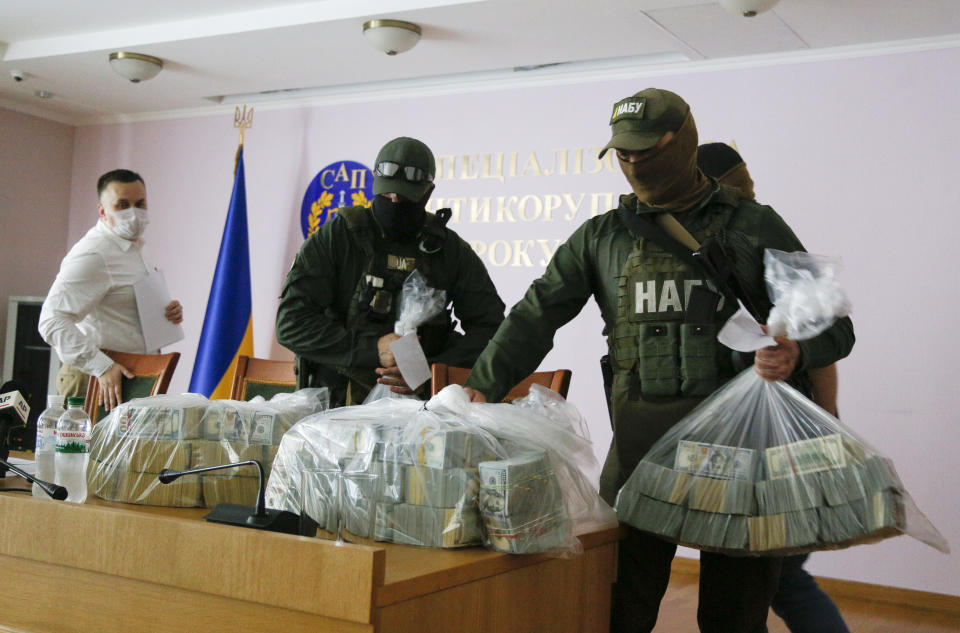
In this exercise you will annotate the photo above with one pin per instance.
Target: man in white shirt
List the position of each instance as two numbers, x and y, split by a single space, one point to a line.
91 305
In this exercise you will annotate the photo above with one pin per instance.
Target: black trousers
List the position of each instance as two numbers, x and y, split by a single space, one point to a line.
735 592
802 604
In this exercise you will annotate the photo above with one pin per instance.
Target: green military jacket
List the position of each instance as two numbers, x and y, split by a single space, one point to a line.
317 299
594 262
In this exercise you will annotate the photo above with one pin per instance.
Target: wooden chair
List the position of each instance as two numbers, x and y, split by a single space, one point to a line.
558 380
152 374
262 377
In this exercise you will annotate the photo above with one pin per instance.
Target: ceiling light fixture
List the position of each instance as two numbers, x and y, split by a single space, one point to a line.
391 36
135 66
747 8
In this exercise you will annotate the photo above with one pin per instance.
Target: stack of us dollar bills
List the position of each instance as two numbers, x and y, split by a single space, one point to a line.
521 504
143 437
416 488
813 493
138 440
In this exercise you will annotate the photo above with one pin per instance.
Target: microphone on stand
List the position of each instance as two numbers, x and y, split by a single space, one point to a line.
57 492
258 518
14 411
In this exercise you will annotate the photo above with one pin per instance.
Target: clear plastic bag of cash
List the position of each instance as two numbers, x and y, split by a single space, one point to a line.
418 304
142 437
759 469
427 463
388 471
543 493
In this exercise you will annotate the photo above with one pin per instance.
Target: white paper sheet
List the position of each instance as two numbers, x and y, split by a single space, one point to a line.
411 360
26 465
742 332
152 298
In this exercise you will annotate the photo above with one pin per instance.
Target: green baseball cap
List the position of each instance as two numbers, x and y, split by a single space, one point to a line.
405 166
640 121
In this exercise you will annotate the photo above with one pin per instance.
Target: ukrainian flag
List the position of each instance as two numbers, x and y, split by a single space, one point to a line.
227 326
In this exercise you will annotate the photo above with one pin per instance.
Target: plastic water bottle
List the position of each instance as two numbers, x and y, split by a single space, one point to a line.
46 447
73 450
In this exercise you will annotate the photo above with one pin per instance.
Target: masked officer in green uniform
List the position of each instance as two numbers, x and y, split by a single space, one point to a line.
661 311
340 299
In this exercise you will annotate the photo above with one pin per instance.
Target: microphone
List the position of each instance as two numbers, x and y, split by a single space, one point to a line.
262 518
57 492
14 412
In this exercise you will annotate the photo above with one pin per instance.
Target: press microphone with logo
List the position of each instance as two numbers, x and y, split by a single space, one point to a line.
14 412
258 518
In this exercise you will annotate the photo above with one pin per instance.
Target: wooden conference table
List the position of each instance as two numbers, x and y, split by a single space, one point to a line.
108 567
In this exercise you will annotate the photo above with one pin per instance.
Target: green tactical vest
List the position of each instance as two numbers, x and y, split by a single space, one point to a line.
376 298
651 336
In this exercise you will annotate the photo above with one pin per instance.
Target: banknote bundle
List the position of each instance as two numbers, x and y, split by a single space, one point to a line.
396 480
521 504
759 469
414 474
139 439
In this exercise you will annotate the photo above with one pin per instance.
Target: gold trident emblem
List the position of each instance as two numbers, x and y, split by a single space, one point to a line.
242 120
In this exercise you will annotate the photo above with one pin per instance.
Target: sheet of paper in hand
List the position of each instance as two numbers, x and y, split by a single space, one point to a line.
411 360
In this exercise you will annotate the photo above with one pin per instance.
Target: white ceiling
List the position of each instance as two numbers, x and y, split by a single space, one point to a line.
219 52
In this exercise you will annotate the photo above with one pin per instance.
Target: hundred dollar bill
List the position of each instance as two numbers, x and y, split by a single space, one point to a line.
843 522
441 488
650 515
160 422
152 456
441 448
239 490
843 485
714 460
435 527
817 454
209 453
704 529
146 489
767 533
522 483
789 494
886 511
778 462
392 480
383 524
540 535
724 496
811 455
736 537
802 527
521 504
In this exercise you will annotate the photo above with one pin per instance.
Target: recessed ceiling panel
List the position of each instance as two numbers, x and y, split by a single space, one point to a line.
714 33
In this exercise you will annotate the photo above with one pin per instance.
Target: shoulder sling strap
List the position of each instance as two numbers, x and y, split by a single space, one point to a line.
709 258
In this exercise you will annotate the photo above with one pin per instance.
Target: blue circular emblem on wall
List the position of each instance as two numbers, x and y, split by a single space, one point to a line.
344 183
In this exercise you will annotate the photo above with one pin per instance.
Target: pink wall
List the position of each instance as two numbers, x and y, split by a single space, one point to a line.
36 158
858 155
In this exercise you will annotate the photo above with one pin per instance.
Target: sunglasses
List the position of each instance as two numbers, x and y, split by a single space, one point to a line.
388 169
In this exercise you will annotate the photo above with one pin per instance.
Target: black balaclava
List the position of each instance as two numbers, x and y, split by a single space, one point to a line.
401 221
670 179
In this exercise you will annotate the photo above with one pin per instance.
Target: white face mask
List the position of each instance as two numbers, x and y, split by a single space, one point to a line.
130 223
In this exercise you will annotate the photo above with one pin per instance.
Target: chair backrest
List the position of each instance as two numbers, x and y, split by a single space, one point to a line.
262 377
558 380
152 374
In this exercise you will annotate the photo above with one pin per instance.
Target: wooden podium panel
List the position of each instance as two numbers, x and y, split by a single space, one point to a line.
117 567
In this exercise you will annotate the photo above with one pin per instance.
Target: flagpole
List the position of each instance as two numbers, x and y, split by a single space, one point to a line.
227 331
242 121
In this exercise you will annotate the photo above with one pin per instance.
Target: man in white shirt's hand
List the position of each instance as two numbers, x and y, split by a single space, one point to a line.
91 305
